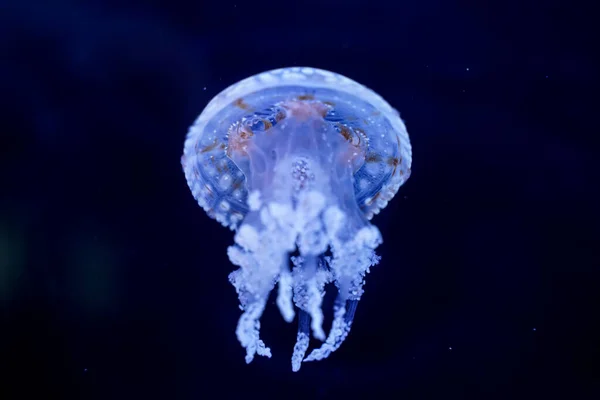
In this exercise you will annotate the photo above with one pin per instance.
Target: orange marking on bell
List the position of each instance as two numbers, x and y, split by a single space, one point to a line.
303 110
267 123
210 147
241 104
238 139
373 157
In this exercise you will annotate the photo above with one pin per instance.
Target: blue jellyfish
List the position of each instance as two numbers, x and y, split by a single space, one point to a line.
297 161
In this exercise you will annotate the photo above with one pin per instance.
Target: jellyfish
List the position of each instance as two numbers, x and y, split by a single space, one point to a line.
297 161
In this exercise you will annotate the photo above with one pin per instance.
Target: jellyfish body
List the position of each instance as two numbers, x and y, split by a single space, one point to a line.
297 161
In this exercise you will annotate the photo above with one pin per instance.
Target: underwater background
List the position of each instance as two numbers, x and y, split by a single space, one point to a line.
113 281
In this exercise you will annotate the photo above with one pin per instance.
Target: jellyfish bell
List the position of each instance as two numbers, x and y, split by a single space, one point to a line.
297 160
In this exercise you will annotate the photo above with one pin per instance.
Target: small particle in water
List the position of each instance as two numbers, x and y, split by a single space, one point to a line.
204 88
534 329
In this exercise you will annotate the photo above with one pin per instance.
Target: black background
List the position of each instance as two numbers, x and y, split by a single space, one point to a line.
113 282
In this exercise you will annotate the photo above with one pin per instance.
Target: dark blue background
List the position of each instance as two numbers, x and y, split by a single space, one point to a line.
113 282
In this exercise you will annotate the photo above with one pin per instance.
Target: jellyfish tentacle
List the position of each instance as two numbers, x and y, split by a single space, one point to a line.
251 302
308 297
351 261
337 335
259 251
309 289
302 340
342 322
248 329
284 296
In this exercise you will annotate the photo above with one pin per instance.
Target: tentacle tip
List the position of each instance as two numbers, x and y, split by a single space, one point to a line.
288 317
265 352
319 335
